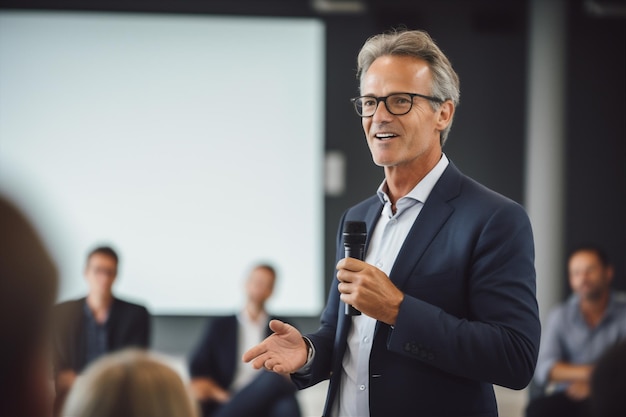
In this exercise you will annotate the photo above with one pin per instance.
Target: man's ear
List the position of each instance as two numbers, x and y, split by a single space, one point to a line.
444 114
609 272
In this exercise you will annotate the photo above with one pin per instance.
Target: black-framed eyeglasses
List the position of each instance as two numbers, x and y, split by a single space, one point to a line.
397 103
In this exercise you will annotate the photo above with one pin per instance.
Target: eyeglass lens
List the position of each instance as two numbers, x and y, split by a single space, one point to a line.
397 104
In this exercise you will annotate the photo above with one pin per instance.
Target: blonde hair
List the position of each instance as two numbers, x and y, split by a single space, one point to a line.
129 383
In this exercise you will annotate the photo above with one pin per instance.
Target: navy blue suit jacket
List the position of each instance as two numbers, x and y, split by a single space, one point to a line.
469 318
128 325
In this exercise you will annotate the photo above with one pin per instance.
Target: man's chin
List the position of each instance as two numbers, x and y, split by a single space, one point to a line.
592 295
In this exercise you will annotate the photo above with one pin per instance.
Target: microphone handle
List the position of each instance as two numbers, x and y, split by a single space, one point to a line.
356 252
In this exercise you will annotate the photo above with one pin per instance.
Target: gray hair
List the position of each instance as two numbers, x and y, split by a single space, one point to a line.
417 44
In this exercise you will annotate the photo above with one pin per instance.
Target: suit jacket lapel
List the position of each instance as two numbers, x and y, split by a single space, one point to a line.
344 322
371 217
229 346
433 216
431 219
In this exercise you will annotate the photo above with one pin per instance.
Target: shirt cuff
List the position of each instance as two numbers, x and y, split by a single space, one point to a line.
310 356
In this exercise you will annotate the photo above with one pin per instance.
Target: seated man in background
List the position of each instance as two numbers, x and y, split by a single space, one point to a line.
220 381
89 327
577 333
28 284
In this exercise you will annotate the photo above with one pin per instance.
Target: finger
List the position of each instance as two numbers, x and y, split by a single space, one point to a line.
275 366
259 362
254 352
280 369
344 287
344 275
350 264
341 275
270 364
278 326
347 298
342 263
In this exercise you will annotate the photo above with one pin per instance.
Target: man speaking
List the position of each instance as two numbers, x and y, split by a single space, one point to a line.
447 286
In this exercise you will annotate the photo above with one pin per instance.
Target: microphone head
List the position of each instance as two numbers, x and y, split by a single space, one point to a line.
354 233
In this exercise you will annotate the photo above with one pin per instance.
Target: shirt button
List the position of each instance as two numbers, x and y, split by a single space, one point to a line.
365 339
379 264
362 387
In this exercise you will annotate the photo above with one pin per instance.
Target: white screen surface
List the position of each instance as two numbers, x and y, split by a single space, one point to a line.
192 145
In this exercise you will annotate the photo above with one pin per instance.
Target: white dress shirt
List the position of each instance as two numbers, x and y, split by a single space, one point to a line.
250 333
387 238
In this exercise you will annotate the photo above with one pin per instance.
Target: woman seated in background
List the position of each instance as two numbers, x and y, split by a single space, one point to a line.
129 383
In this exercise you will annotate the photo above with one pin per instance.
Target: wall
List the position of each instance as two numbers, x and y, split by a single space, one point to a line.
595 134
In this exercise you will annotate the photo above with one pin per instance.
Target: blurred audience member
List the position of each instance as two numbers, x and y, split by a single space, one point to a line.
576 335
90 327
129 383
220 381
607 383
28 283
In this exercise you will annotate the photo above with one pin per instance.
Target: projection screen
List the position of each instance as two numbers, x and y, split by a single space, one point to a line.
193 145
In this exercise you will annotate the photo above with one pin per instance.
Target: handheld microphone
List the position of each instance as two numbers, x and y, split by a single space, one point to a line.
354 237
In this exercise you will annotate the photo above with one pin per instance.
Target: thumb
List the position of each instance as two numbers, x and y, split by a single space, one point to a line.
279 327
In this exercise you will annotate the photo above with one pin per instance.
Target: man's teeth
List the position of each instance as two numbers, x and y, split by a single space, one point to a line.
385 135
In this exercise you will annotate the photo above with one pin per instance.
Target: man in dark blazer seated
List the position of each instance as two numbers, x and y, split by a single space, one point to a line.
224 385
89 327
447 288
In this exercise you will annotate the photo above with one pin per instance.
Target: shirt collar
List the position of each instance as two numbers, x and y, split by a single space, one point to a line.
609 312
423 188
611 306
88 314
244 319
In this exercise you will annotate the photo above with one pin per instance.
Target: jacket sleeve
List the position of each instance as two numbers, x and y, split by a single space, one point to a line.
144 328
550 350
497 341
200 363
323 342
128 325
324 339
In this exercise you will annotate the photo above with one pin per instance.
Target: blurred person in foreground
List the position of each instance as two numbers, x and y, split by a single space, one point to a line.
28 285
220 381
129 383
447 288
577 333
99 323
608 380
